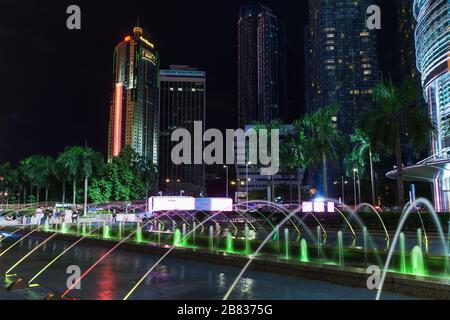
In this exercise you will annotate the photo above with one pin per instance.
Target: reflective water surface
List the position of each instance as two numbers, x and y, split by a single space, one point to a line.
174 279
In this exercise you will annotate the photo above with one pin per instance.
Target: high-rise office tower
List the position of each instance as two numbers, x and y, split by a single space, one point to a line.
261 64
183 102
407 25
408 66
432 43
433 61
341 59
134 113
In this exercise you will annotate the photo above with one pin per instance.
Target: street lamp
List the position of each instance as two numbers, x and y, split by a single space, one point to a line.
246 185
354 185
226 168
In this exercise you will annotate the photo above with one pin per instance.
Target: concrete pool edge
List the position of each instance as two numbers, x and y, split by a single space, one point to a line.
425 287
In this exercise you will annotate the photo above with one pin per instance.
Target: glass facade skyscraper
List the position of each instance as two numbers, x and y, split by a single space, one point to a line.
433 61
432 43
341 59
183 101
134 112
261 65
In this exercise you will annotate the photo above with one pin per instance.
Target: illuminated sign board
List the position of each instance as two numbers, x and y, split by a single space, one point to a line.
190 204
214 204
318 207
171 204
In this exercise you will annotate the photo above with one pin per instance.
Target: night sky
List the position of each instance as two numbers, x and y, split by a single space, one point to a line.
56 84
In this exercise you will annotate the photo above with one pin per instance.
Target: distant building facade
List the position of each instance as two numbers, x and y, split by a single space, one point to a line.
341 59
183 101
134 111
262 86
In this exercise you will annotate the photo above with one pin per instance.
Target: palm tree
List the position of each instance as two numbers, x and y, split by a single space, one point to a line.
294 154
35 171
323 136
69 160
90 162
396 105
362 150
47 173
60 172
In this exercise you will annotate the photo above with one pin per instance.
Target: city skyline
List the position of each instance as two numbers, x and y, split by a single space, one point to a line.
90 109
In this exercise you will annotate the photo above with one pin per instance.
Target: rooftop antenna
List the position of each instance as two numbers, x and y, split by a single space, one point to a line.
138 22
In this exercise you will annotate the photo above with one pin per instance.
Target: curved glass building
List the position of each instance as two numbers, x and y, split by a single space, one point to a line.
432 41
433 62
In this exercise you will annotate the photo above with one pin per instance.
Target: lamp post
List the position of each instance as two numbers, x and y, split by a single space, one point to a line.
343 189
246 180
359 187
226 169
354 185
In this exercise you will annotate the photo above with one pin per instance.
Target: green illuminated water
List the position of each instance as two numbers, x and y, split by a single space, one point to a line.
83 230
304 257
138 232
341 249
417 262
63 228
402 254
286 243
106 232
176 238
229 244
247 240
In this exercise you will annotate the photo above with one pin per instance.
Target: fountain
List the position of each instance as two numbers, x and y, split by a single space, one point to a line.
106 231
184 240
194 224
417 262
402 254
286 245
247 240
138 232
229 242
419 239
120 230
211 238
341 249
176 238
304 257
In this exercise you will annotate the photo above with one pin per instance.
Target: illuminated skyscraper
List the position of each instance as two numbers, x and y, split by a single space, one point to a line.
433 62
183 101
261 64
341 55
432 42
134 113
